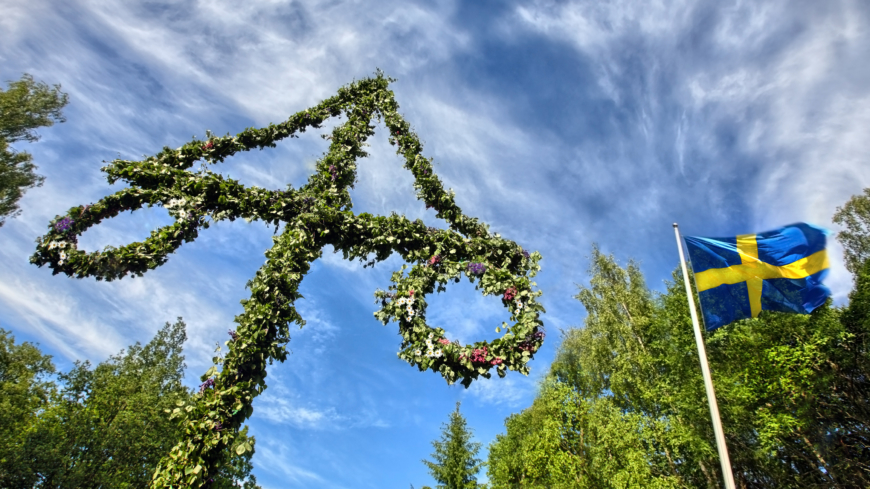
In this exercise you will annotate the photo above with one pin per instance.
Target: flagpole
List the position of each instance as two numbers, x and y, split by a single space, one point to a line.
705 371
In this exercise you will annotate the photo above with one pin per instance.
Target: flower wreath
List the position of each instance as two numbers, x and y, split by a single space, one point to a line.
317 214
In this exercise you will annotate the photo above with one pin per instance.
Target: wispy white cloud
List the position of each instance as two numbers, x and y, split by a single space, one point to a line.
790 117
513 391
275 458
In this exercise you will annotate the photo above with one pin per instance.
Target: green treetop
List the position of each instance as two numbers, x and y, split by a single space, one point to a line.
455 465
25 106
100 427
854 216
624 403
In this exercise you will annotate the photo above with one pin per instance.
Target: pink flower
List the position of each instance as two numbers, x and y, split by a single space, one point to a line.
208 145
510 293
479 355
411 292
496 361
444 341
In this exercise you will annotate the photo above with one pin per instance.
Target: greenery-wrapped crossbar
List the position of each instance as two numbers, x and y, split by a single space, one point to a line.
317 214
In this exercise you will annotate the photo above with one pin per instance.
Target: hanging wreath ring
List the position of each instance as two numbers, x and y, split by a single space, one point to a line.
317 214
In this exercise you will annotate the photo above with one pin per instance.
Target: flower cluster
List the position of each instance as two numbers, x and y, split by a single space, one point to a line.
63 225
479 355
173 203
233 334
476 268
208 145
333 171
528 344
444 341
510 293
436 259
57 244
206 385
408 302
431 352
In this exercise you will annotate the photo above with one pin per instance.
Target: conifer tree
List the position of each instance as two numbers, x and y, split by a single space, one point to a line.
455 465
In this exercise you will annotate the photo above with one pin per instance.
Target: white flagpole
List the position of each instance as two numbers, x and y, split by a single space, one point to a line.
705 370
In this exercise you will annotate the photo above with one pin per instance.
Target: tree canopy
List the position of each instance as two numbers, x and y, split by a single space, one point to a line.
854 216
106 426
623 404
24 106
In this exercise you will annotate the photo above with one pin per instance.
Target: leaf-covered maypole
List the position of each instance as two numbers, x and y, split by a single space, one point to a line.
316 214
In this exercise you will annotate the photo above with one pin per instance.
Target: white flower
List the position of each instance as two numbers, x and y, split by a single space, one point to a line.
418 352
62 256
438 353
52 245
429 343
431 335
408 319
61 244
60 262
175 203
410 311
402 301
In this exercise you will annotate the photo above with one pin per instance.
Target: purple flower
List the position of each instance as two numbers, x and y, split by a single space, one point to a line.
526 253
205 385
63 225
529 343
476 268
333 171
233 335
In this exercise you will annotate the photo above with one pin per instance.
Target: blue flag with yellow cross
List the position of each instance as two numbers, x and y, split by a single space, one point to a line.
779 270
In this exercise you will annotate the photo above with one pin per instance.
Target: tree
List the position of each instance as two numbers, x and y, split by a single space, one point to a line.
108 426
855 238
25 106
455 465
624 406
603 419
24 392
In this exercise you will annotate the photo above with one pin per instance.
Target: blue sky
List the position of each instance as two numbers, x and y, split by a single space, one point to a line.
561 124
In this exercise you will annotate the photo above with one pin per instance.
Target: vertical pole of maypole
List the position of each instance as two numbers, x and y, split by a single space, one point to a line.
705 371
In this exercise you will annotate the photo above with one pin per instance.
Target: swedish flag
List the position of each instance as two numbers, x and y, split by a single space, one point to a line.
779 270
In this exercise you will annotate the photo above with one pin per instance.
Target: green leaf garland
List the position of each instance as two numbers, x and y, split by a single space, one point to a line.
317 214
